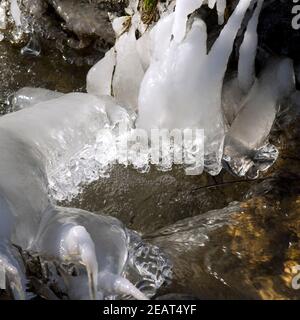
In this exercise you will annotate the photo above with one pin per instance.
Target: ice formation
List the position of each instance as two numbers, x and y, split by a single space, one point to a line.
100 75
34 142
126 83
3 19
183 88
28 97
179 84
100 242
246 68
252 125
182 10
15 12
168 78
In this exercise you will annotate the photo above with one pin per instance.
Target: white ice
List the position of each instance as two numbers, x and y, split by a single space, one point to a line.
246 65
221 6
61 141
252 125
34 142
183 88
99 77
129 71
99 242
16 12
182 10
28 97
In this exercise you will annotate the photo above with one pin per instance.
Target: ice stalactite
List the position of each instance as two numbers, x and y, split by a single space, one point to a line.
99 78
182 10
183 88
246 64
251 127
221 7
126 83
117 284
219 54
178 83
16 12
183 83
98 242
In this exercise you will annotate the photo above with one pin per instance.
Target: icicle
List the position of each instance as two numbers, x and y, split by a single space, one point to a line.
99 77
77 242
182 10
252 125
211 3
160 36
221 6
129 71
183 88
246 66
119 285
99 242
3 18
15 12
254 121
168 86
221 50
120 24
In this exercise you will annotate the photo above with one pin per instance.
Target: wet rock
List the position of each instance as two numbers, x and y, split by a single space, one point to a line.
81 30
48 71
276 34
